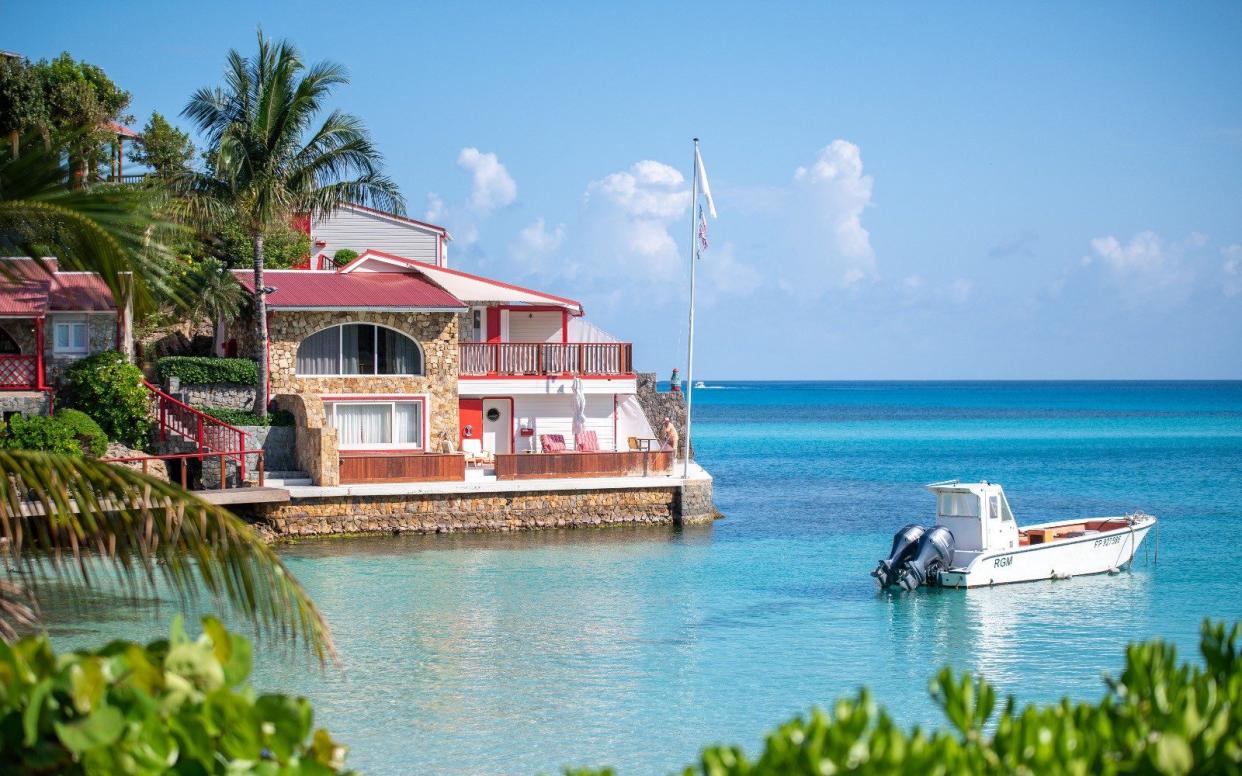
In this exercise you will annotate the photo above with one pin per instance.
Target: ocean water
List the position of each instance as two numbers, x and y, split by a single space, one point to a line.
525 653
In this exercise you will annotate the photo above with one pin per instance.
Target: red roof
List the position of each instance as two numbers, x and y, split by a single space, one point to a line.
23 298
121 130
299 288
34 291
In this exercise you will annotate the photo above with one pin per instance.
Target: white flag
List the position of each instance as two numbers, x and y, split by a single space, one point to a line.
707 190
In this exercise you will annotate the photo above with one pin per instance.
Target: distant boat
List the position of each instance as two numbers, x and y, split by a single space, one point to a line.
699 384
976 542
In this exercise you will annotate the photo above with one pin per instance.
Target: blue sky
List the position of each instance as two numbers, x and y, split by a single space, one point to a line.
905 191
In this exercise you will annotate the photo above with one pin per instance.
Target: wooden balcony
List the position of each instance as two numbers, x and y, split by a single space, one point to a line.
543 466
19 373
518 359
367 467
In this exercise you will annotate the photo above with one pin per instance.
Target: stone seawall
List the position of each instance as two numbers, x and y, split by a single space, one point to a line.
486 511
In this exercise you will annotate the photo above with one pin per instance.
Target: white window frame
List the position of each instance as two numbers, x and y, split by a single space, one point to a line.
340 351
71 323
330 405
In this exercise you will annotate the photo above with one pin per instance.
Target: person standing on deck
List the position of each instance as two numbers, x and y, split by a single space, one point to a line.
669 438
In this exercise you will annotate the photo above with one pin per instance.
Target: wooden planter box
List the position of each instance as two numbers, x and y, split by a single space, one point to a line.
538 466
362 467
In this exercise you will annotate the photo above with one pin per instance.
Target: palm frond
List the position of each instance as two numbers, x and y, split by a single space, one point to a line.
114 231
58 512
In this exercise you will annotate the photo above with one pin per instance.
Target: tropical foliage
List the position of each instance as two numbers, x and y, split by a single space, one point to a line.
179 705
236 417
65 98
269 157
90 436
1158 717
68 432
35 432
109 388
113 230
79 518
162 147
196 370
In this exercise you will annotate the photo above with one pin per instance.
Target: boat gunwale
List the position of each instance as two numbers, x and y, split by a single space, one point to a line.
1133 528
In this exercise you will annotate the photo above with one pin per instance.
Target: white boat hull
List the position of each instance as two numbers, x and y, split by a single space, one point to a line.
1094 553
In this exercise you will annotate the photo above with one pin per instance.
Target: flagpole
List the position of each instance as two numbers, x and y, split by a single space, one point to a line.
694 199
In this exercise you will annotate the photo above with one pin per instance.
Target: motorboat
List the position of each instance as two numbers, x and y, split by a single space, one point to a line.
976 542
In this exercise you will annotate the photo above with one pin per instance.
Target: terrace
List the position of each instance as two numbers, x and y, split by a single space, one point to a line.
520 359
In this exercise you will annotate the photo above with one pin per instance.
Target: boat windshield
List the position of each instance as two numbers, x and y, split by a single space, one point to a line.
959 505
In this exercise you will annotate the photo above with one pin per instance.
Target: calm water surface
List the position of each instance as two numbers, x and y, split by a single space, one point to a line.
521 654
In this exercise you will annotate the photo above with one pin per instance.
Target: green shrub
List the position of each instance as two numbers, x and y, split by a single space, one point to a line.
195 370
344 256
175 706
90 436
109 389
35 432
247 417
1159 717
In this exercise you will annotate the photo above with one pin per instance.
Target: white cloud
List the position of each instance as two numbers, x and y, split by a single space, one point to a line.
959 290
1148 266
493 186
819 241
536 242
1232 269
627 218
726 275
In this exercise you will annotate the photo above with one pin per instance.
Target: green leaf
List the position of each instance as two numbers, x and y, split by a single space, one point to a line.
34 710
101 728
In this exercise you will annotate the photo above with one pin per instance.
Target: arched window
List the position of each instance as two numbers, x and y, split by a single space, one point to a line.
359 349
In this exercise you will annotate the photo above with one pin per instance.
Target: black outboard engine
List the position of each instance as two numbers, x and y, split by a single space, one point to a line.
934 555
905 542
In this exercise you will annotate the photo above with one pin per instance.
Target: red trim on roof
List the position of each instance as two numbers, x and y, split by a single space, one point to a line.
333 290
123 131
394 216
419 265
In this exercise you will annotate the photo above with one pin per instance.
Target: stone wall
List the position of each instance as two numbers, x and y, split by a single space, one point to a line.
696 506
448 513
278 445
658 405
24 403
235 396
435 333
315 450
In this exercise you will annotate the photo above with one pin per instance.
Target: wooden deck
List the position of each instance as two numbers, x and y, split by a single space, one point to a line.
364 467
532 466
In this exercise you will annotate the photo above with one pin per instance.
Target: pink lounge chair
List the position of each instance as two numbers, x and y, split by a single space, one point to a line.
587 442
552 443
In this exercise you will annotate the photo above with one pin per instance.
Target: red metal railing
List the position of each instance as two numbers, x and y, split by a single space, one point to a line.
546 358
211 435
18 372
146 460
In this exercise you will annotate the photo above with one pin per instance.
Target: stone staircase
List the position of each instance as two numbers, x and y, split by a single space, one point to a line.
284 479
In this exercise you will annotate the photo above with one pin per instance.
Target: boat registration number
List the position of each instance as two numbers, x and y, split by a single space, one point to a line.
1107 540
1002 562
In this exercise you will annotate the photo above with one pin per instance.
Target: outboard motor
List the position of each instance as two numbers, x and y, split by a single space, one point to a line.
905 542
934 554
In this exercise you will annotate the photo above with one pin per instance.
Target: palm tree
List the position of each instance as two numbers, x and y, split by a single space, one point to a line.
266 164
61 515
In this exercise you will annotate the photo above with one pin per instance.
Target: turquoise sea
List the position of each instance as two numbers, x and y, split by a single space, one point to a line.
524 653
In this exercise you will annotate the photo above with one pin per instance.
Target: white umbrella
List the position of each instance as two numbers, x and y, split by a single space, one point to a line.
579 407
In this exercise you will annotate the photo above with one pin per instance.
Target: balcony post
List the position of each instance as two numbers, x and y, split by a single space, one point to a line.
40 378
